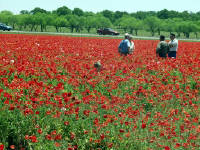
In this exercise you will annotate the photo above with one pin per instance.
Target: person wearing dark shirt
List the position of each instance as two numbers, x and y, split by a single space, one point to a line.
162 47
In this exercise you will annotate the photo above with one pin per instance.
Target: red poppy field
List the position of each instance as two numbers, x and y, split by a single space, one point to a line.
52 97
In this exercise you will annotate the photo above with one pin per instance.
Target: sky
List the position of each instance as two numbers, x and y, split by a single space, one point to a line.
130 6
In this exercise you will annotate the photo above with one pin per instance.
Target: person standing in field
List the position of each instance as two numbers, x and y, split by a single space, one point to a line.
132 45
124 45
162 47
173 46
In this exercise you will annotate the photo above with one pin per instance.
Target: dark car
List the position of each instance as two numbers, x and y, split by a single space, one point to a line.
107 31
5 27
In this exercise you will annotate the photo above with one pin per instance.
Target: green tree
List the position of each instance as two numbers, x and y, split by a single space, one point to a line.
160 26
152 24
187 27
108 14
138 26
163 14
89 13
5 15
38 10
102 22
166 14
6 12
42 20
128 23
62 11
30 21
123 23
24 12
23 21
178 28
119 14
185 15
77 11
49 20
141 15
90 23
3 18
60 22
177 25
131 25
73 22
80 23
12 20
196 28
169 25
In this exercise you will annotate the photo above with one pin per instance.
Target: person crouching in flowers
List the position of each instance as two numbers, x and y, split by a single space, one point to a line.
132 45
124 45
98 66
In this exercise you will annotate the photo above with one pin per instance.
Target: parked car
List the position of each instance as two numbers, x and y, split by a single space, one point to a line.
5 27
107 31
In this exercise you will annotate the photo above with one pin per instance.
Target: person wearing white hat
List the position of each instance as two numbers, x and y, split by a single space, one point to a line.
124 46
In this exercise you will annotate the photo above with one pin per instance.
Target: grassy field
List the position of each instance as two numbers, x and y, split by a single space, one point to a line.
141 33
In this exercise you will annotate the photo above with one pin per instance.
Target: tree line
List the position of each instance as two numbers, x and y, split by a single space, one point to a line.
77 20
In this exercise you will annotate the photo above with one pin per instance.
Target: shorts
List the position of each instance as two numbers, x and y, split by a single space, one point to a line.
172 54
